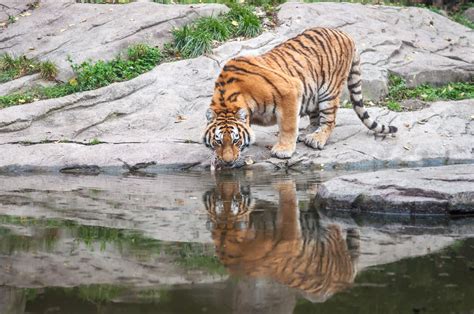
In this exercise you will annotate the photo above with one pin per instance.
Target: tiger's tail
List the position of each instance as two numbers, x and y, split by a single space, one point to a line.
354 83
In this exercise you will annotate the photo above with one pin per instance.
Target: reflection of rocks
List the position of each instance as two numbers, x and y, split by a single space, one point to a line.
447 190
69 256
292 250
12 301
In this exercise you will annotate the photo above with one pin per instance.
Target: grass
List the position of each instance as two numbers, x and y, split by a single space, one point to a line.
199 37
88 75
398 91
14 67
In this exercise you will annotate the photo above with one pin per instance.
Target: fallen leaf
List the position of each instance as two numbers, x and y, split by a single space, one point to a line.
180 118
62 30
235 23
407 147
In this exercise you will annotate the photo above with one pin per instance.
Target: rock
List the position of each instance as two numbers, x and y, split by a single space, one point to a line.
447 190
64 28
469 14
156 119
22 84
12 8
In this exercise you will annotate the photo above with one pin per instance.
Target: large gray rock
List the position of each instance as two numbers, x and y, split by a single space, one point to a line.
64 28
155 120
469 14
447 190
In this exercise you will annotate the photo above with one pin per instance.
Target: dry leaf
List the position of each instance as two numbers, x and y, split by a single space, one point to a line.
407 147
180 118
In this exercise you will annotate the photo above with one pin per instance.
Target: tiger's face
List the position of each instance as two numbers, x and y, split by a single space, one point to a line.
228 134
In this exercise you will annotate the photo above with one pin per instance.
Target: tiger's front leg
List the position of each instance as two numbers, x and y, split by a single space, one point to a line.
287 113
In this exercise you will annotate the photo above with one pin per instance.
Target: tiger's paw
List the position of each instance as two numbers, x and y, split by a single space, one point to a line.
282 151
315 140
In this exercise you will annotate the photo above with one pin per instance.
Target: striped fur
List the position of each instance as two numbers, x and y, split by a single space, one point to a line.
291 249
302 76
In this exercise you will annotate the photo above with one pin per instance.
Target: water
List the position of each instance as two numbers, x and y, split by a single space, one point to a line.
238 242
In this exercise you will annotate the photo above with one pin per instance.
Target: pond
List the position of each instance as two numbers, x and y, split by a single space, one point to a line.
231 242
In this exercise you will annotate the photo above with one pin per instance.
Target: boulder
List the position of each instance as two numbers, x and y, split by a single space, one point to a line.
447 190
80 31
469 14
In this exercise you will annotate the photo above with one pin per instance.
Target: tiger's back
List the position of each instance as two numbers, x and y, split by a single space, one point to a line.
304 75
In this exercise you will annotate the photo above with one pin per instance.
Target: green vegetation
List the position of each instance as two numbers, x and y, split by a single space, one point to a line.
398 91
94 141
13 68
48 70
198 38
139 59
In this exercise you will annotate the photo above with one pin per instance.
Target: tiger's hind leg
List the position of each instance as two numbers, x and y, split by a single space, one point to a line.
327 122
314 124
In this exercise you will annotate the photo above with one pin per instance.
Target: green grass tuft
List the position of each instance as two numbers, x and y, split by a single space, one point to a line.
398 91
197 38
244 21
192 42
12 68
394 105
48 70
215 28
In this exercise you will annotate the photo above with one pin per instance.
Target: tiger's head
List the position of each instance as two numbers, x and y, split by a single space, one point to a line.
228 133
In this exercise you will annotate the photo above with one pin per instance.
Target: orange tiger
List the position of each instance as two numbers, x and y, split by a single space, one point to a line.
302 76
292 250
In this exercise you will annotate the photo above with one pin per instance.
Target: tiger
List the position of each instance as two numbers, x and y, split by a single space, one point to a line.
294 251
302 76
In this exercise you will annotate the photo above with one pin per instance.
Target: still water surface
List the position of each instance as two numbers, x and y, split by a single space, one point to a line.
237 242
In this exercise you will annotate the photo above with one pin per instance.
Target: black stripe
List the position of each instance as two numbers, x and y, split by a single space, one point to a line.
233 79
357 103
373 126
260 67
392 129
356 84
365 115
282 58
233 97
232 68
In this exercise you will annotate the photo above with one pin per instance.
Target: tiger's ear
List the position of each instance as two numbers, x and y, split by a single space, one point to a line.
241 115
210 115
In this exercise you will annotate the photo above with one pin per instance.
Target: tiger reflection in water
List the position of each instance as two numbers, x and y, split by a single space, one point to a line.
298 252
